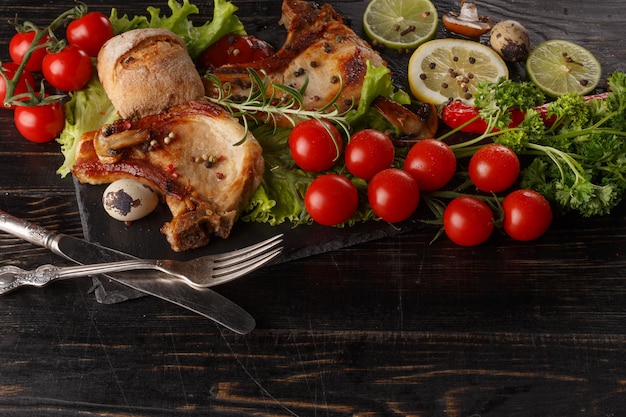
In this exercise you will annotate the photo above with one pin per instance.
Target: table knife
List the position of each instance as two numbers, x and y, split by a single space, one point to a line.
202 301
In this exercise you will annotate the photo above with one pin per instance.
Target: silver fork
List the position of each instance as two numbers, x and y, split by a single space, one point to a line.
205 271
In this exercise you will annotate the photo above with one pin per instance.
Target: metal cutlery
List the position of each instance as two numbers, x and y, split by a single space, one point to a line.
205 271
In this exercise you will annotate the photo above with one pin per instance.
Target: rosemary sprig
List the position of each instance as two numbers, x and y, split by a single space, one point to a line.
264 100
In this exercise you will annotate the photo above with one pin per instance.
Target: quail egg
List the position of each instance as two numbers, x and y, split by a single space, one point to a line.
129 200
510 39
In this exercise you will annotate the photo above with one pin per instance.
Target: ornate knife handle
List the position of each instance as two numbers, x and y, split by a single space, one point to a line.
26 230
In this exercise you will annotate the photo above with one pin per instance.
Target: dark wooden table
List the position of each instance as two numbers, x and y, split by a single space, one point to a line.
394 327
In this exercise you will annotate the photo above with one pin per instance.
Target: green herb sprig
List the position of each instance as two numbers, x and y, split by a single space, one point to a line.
266 104
578 160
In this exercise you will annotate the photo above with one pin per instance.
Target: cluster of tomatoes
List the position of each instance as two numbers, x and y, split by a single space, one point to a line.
394 193
64 65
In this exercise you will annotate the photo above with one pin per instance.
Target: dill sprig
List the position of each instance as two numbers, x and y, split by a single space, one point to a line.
265 103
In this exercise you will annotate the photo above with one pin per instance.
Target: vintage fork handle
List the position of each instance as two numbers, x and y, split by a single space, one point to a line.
45 273
12 277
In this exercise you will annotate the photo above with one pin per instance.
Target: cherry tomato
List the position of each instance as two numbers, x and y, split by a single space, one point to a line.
455 114
19 44
315 145
41 123
331 199
468 221
369 152
234 49
432 163
26 79
393 195
68 70
90 32
494 168
527 214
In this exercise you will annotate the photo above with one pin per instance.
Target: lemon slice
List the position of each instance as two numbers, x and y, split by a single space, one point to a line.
445 69
400 24
559 67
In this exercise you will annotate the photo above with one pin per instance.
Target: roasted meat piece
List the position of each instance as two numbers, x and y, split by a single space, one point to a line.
320 49
190 153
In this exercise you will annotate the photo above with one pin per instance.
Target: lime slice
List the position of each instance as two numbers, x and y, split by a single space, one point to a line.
445 69
400 24
559 67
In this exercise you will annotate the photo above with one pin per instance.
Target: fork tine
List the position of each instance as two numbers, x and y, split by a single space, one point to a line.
232 272
236 257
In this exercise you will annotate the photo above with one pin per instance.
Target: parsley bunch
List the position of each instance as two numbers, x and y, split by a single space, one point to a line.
577 146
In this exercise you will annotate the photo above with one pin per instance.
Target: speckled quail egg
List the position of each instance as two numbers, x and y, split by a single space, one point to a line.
129 200
510 39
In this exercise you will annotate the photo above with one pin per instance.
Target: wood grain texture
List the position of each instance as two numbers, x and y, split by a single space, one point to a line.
395 327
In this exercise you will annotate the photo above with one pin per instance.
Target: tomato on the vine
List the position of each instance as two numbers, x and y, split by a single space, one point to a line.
234 49
26 79
69 69
468 221
41 123
368 152
331 199
456 114
527 214
315 145
494 168
19 45
432 163
90 32
393 195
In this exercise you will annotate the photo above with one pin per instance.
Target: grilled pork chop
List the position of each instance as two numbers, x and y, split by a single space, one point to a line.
320 49
190 154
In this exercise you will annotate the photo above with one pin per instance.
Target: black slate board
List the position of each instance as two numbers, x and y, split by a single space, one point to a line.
144 239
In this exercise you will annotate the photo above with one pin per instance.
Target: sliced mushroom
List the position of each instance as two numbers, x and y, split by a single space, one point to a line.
467 22
110 141
414 126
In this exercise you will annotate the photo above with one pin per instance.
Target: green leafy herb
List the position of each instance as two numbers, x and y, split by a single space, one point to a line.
273 101
579 157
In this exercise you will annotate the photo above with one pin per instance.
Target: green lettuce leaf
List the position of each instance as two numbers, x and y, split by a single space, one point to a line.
86 111
197 38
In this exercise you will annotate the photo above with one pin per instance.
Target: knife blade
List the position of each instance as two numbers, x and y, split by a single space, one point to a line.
202 301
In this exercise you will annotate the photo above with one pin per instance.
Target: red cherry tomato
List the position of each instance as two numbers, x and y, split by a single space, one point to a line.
331 199
234 49
68 70
368 152
432 163
41 123
494 168
20 42
393 195
90 32
527 214
468 221
26 79
456 114
315 145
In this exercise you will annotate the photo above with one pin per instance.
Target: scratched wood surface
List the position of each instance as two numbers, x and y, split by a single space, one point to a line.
395 327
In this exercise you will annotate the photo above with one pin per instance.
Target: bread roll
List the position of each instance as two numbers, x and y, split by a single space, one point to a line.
145 71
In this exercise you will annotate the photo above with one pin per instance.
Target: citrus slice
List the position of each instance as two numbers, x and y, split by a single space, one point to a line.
400 24
559 67
445 69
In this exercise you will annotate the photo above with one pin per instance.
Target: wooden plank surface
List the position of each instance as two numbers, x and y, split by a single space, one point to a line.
395 327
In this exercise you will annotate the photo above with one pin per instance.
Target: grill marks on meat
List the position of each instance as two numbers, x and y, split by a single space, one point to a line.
189 154
319 49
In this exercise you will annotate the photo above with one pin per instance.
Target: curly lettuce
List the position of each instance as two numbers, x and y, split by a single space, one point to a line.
86 111
197 38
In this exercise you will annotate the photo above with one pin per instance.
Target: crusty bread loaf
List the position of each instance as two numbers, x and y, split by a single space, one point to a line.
145 71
